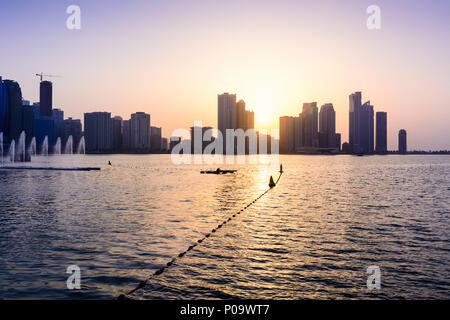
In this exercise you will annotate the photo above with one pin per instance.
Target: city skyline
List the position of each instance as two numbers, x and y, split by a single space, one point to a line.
167 63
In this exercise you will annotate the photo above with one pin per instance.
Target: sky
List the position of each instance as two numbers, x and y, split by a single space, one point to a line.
171 59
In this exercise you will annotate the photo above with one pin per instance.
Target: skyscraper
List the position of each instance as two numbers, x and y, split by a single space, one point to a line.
117 133
197 143
58 118
28 123
354 112
310 125
155 133
249 120
126 136
361 128
46 98
140 132
241 115
402 147
227 114
381 132
4 112
98 132
287 134
298 133
367 128
327 126
14 110
72 127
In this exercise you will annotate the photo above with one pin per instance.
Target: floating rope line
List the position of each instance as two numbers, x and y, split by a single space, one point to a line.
143 283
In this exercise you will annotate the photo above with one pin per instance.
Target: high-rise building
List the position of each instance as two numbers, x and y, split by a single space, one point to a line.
381 132
14 111
197 143
402 146
4 112
117 133
310 125
227 114
287 134
367 128
58 118
140 132
327 126
155 137
249 120
361 125
164 145
98 132
126 136
72 127
173 142
28 123
338 142
298 133
354 122
241 115
46 98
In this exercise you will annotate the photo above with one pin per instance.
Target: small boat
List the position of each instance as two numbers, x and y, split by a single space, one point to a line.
217 171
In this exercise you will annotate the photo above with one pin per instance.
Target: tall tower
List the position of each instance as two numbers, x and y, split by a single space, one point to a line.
366 129
3 108
402 148
14 110
46 98
240 115
354 123
310 125
226 114
381 133
287 134
327 126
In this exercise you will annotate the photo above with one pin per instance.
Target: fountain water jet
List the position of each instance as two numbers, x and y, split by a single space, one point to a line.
44 148
21 149
57 147
32 147
12 151
69 146
81 146
1 147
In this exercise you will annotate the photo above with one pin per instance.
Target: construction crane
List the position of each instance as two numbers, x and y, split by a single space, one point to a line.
46 75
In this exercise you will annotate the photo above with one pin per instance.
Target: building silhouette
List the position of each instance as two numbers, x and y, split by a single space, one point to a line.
327 126
367 128
58 119
155 139
173 142
361 125
117 133
73 127
287 134
381 133
46 98
198 144
227 115
14 111
354 122
98 132
126 136
310 125
402 147
140 132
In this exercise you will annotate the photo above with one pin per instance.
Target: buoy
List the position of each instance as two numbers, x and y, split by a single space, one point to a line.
271 183
281 168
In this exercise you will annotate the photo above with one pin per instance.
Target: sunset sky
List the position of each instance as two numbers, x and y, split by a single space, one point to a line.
172 58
